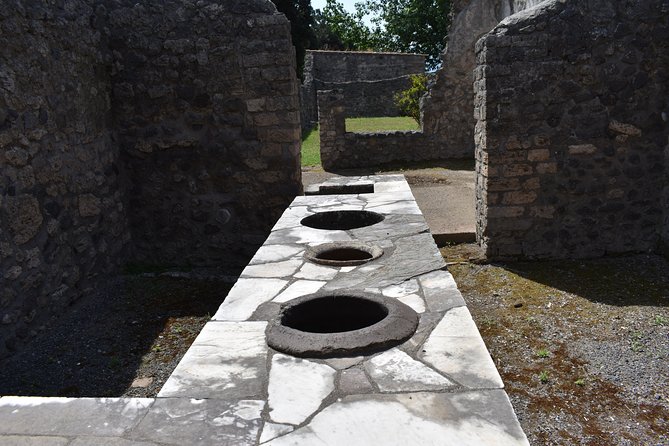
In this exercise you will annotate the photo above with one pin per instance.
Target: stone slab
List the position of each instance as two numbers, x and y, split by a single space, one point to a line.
462 419
247 295
195 422
226 360
71 416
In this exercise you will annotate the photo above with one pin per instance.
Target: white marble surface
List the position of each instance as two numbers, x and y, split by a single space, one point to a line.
272 430
423 419
456 349
227 360
313 271
246 296
299 288
403 289
415 302
395 371
273 269
276 253
297 388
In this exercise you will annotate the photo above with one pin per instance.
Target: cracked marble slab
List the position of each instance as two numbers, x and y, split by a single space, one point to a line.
395 371
247 295
297 388
458 419
183 421
226 360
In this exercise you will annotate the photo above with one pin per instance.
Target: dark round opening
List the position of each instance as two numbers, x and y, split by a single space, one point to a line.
334 314
344 254
349 253
342 220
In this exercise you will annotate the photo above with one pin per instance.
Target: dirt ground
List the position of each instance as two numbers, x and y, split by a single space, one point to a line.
582 346
125 340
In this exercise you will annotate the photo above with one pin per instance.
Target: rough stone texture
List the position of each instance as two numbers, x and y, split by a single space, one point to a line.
207 108
448 109
171 124
368 80
345 150
569 133
62 215
665 229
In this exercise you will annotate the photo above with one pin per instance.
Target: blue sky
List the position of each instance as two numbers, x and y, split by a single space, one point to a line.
349 5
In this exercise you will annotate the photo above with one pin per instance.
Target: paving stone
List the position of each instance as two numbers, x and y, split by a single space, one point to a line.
414 301
394 225
246 296
22 440
297 388
399 207
354 381
275 253
184 421
304 234
344 363
395 371
469 419
274 269
413 255
298 289
109 441
272 430
70 416
227 360
456 349
291 217
402 289
317 272
440 291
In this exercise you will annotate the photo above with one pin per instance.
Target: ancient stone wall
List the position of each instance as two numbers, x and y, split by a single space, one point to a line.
62 215
665 228
207 110
165 132
569 133
345 150
448 108
368 81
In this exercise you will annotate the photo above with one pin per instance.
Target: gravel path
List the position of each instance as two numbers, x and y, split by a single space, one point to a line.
582 346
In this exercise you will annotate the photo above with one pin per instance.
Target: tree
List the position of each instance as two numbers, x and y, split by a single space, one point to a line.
415 26
337 29
301 17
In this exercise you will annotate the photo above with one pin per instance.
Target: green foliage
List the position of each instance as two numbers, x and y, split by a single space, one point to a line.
543 353
413 26
408 101
544 377
337 29
301 17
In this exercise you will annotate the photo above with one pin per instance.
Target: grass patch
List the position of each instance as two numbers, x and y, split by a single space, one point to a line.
311 148
311 141
385 124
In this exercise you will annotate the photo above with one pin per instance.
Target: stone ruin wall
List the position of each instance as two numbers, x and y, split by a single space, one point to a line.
569 137
164 132
665 228
368 81
345 150
62 213
207 113
448 108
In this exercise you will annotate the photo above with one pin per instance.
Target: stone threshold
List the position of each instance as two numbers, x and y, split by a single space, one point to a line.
438 387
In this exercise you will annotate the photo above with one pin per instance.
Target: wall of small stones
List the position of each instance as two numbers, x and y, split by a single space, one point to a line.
345 150
448 108
665 229
62 213
569 136
207 111
163 132
368 81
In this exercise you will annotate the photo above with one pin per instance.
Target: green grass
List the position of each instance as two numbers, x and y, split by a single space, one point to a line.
311 143
402 123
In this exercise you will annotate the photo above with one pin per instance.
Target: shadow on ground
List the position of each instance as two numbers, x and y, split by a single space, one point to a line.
132 327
